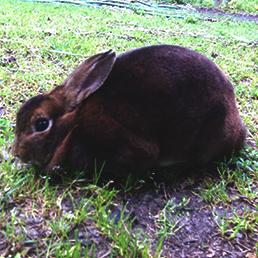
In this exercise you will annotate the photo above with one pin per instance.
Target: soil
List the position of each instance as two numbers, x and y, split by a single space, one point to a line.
197 233
235 16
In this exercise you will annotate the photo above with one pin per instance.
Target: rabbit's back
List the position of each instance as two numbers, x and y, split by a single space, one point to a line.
177 98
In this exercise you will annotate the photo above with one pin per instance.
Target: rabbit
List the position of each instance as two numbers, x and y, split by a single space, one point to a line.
149 107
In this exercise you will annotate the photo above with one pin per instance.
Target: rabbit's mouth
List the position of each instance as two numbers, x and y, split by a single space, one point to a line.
30 158
21 154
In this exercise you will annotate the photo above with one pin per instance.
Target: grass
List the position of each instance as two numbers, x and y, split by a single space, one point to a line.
242 182
39 45
242 179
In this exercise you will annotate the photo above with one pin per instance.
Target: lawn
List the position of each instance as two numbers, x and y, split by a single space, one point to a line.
210 213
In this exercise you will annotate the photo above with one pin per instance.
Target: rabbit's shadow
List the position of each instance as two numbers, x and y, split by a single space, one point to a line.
141 190
169 176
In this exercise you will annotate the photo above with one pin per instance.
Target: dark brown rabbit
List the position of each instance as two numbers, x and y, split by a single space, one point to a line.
152 106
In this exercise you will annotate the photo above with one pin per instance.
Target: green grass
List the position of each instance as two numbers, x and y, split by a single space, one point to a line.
39 45
234 185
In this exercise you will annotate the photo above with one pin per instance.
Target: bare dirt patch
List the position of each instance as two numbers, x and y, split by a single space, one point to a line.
192 232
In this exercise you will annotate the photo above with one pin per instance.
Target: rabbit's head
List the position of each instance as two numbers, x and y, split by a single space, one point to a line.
45 123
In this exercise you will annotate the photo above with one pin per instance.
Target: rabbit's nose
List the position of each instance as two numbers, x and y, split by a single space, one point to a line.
14 149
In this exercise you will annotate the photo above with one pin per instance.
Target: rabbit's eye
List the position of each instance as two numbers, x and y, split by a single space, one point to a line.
42 124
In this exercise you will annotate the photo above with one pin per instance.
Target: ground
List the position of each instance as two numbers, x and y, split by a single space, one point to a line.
179 212
171 219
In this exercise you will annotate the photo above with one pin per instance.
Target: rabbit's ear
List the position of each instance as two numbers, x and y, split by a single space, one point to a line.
88 77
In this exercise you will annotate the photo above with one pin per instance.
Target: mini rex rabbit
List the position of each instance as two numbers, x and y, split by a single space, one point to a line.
152 106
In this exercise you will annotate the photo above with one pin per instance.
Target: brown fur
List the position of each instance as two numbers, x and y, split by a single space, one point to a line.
147 107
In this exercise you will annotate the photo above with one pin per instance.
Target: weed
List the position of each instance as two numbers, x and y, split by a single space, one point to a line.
235 224
168 221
